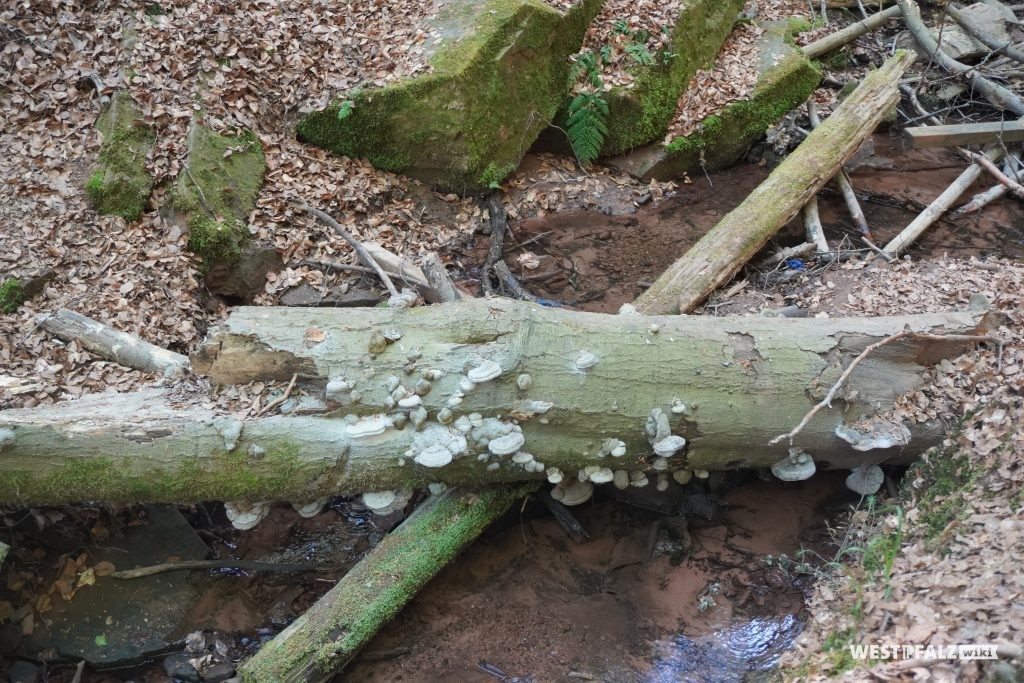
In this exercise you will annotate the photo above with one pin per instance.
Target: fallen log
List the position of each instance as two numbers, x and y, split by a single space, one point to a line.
744 231
583 388
982 36
114 345
324 639
834 41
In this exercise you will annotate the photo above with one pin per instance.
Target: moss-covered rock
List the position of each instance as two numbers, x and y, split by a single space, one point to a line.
491 90
120 184
12 295
787 78
216 192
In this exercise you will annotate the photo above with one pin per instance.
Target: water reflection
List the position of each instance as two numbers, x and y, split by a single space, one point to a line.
746 651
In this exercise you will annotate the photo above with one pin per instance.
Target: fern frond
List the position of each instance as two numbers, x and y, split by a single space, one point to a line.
587 125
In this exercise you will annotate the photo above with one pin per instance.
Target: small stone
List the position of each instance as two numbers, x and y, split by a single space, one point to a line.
218 673
176 665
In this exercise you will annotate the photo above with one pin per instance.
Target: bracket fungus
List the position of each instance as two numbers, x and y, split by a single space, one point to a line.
796 466
603 475
410 401
669 446
310 509
368 426
436 446
865 480
678 407
524 381
244 516
484 372
555 475
337 389
576 493
585 360
620 479
682 477
528 408
507 444
386 502
874 434
657 427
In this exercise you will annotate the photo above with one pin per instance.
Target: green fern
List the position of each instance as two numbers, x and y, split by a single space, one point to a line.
587 125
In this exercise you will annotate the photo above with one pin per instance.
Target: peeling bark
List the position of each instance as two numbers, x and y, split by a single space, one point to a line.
734 384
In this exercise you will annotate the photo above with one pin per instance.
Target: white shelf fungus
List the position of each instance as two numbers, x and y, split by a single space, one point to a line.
245 516
796 466
484 372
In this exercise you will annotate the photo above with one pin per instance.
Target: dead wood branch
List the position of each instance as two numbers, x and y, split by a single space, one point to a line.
245 565
983 199
813 228
437 276
999 96
716 258
499 225
939 206
120 347
361 252
844 184
1013 186
989 132
832 42
905 334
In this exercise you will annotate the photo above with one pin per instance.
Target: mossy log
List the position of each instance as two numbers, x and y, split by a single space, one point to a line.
568 383
324 639
744 231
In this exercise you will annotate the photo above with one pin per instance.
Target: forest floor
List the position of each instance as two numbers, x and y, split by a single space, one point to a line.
933 562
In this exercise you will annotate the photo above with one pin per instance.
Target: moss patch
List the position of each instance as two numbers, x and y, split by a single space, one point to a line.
12 295
121 185
218 191
466 125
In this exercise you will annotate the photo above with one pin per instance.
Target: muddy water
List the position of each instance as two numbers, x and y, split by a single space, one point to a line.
646 598
598 261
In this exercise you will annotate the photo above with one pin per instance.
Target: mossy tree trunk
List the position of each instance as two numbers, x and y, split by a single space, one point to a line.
727 385
324 639
716 258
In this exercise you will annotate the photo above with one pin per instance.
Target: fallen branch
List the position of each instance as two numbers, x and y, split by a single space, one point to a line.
120 347
361 252
983 199
844 184
437 277
1013 186
905 334
999 96
834 41
812 226
330 633
509 281
716 258
280 399
939 206
245 565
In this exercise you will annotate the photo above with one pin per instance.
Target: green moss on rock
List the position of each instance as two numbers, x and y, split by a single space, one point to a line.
12 295
466 124
788 78
218 191
120 185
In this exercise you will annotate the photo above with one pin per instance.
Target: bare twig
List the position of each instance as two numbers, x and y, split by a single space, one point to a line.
280 399
360 250
843 182
249 565
1013 186
904 334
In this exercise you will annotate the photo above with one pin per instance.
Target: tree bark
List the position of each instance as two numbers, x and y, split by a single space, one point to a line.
324 639
744 231
834 41
734 382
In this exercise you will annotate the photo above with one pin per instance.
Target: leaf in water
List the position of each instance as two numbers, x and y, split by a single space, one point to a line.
101 640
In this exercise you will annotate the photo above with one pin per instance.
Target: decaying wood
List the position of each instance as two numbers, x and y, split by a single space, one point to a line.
1000 96
966 134
724 383
120 347
439 280
718 255
903 334
401 269
499 225
834 41
939 206
974 30
812 227
1012 186
983 199
324 639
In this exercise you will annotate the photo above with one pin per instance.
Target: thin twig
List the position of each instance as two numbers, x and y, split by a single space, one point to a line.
904 334
249 565
360 250
1015 188
280 399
